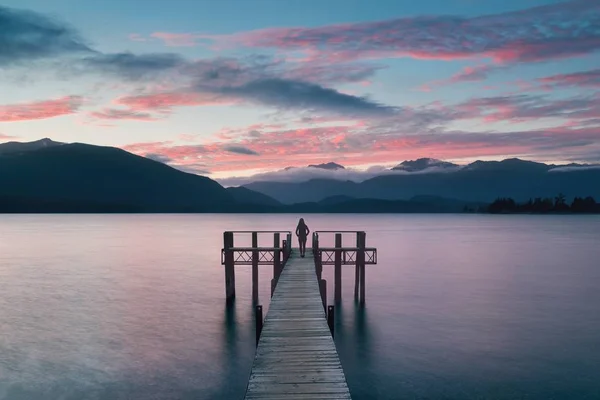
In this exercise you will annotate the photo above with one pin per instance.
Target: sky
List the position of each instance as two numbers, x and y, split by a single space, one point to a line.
228 88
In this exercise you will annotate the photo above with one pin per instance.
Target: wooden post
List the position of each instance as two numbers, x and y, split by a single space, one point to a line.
284 247
254 267
276 263
362 242
276 256
229 267
357 268
289 244
338 268
323 290
331 320
259 322
317 255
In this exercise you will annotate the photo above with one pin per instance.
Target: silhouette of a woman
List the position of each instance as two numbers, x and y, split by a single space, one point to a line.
302 232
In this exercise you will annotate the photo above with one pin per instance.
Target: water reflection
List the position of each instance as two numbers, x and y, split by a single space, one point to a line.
459 307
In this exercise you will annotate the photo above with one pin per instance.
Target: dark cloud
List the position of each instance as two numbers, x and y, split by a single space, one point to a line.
26 36
240 150
134 66
298 95
113 113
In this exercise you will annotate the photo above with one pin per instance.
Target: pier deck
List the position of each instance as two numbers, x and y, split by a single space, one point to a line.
296 356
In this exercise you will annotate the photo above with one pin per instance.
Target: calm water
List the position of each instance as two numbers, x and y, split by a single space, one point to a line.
459 307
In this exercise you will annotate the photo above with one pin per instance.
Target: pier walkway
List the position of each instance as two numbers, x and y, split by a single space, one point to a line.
296 356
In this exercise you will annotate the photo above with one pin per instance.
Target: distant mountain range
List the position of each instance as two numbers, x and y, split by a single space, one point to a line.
480 181
47 176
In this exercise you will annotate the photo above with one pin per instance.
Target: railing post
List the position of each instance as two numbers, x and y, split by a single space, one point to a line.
254 267
276 256
357 268
229 267
289 244
331 320
258 322
284 247
338 268
360 260
276 262
323 290
317 256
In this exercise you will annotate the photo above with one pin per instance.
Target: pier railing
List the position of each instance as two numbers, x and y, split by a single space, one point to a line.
254 256
358 255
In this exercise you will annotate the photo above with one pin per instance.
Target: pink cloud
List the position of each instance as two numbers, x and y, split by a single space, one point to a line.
414 133
467 74
587 79
167 100
40 109
6 137
553 31
369 147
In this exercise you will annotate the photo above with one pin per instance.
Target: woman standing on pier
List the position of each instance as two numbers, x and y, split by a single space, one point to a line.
302 232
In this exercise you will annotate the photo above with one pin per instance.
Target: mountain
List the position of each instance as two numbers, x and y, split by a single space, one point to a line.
244 195
335 200
330 166
19 147
514 165
96 177
422 164
481 181
313 190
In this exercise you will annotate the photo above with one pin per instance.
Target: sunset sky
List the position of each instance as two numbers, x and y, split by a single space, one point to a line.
235 87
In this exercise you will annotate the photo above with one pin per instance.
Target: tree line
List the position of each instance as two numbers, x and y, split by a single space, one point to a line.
541 205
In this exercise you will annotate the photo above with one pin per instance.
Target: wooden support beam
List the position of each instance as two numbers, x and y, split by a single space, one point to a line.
323 291
258 322
338 268
357 269
284 251
331 319
276 257
317 256
360 262
254 268
229 267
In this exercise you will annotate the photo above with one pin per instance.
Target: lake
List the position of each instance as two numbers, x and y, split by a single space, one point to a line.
459 307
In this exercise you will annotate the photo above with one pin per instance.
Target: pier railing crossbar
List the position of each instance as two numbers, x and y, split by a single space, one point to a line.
349 255
244 255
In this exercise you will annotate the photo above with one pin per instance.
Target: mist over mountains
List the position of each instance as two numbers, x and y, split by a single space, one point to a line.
480 181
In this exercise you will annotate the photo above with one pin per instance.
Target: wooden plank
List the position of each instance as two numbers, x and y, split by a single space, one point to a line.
296 356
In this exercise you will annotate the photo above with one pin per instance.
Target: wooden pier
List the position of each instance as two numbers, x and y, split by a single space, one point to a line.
296 356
